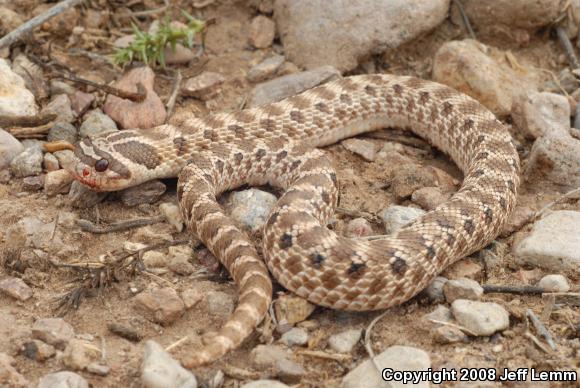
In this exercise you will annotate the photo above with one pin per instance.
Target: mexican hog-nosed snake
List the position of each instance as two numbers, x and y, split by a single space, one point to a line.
275 144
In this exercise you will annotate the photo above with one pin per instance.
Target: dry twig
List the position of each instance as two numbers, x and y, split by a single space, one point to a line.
26 121
507 289
567 46
174 93
564 196
329 356
465 19
540 328
88 226
138 96
58 145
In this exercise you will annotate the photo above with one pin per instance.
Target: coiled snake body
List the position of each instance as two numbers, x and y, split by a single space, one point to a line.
275 144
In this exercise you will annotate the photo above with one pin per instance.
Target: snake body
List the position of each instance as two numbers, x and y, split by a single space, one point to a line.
275 144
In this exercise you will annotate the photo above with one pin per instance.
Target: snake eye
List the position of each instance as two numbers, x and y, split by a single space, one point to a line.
101 165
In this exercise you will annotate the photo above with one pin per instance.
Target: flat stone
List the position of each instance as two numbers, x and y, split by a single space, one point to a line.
205 86
191 297
82 197
289 85
553 243
162 305
81 102
262 32
554 283
251 207
472 68
344 342
398 358
540 114
160 370
15 288
313 32
57 182
33 183
409 178
180 265
98 369
462 289
96 124
154 259
480 318
265 356
129 114
395 217
60 106
447 335
54 331
9 148
429 197
15 99
148 192
289 371
364 148
265 69
441 313
79 354
292 309
220 303
555 159
63 379
295 337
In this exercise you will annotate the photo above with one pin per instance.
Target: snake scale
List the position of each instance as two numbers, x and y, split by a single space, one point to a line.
276 144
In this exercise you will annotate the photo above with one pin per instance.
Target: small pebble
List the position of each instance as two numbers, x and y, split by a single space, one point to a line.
57 182
154 259
161 305
265 356
9 148
27 163
447 335
33 183
429 197
81 102
295 337
37 350
63 379
82 197
289 371
60 106
220 303
265 384
395 217
79 354
205 86
292 309
62 130
466 268
54 331
180 265
554 283
160 370
359 227
480 318
191 297
172 214
462 289
251 207
434 290
15 288
262 32
344 342
265 69
96 124
98 369
50 162
364 148
441 313
409 178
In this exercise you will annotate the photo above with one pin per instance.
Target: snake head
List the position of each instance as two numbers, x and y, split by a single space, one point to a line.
96 165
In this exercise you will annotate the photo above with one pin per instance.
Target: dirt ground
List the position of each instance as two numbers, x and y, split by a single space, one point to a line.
364 188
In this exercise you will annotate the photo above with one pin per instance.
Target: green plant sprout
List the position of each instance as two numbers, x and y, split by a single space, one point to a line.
149 48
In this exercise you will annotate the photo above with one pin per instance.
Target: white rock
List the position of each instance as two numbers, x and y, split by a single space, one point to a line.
554 283
441 313
481 318
358 227
57 182
62 379
251 207
172 214
364 148
262 32
9 148
50 162
398 358
469 67
339 33
344 342
265 384
27 163
556 159
295 336
462 289
540 114
79 354
395 217
15 99
160 370
447 335
553 243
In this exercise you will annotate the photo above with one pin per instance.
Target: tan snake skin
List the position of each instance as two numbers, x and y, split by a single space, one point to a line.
274 144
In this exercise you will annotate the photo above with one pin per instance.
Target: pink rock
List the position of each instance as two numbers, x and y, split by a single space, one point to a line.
81 102
128 114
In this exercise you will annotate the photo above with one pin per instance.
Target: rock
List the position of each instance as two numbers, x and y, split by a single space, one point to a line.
62 380
27 163
287 68
98 369
556 160
32 75
128 114
24 232
447 335
205 86
81 102
162 305
9 376
344 342
63 131
220 303
265 69
172 214
358 227
65 157
37 350
409 178
160 370
441 313
60 106
9 20
191 297
33 183
82 197
516 221
265 356
541 114
295 336
265 384
124 41
289 85
480 318
96 124
429 197
154 259
5 176
292 309
262 32
57 182
397 358
554 283
9 148
434 290
180 265
313 32
79 354
15 99
364 148
148 192
15 288
553 243
289 371
512 14
465 268
470 67
462 289
54 331
251 207
179 55
60 87
60 25
395 217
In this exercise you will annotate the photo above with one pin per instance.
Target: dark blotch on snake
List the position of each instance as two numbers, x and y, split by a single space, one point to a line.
399 266
285 241
317 259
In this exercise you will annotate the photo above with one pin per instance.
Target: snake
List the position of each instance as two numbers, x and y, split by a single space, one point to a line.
278 144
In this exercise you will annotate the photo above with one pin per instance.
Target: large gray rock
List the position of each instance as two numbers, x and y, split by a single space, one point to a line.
159 369
480 318
541 114
340 33
554 243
